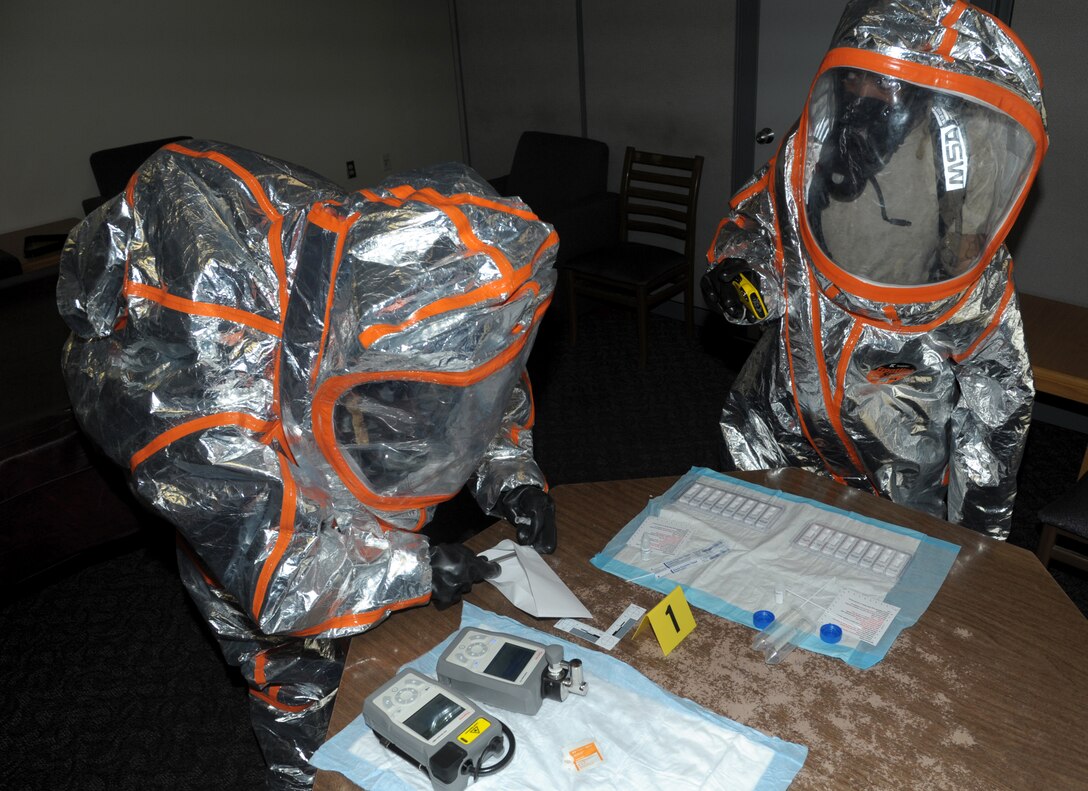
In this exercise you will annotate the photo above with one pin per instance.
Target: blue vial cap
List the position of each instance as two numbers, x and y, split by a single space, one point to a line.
762 618
830 633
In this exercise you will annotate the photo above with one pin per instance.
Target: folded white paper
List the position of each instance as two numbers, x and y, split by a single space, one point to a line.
531 585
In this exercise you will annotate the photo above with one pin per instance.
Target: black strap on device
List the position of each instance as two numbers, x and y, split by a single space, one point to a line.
448 762
502 762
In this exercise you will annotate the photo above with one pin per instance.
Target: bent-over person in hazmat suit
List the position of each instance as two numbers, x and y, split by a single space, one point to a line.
295 378
871 247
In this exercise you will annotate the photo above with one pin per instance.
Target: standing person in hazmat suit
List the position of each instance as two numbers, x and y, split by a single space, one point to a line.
295 378
871 245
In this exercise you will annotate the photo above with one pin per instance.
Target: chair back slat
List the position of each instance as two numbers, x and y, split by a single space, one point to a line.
658 195
662 160
683 182
643 226
678 216
661 196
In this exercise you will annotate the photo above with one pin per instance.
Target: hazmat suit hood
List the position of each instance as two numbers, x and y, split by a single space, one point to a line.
398 383
922 134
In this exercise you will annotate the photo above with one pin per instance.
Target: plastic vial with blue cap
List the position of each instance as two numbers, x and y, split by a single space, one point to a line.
778 640
831 633
761 619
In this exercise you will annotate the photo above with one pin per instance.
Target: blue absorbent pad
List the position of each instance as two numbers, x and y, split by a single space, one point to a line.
759 563
773 764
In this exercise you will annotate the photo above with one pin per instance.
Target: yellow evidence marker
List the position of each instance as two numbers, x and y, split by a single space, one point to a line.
671 620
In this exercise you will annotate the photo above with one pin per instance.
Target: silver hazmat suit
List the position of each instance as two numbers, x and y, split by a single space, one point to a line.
296 377
893 356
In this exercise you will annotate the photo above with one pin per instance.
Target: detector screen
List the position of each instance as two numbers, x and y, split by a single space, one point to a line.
509 661
433 716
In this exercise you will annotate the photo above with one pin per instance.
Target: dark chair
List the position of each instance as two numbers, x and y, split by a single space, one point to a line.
113 167
564 180
1067 518
658 198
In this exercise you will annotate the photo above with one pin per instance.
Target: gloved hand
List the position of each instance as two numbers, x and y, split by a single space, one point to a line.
454 569
733 288
531 511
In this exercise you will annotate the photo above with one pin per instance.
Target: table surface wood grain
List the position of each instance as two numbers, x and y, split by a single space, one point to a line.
987 691
1054 332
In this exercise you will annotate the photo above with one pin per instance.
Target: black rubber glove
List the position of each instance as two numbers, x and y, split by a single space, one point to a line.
721 292
531 511
454 569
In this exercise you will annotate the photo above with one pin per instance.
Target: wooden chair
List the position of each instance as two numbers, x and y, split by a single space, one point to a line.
653 259
1067 517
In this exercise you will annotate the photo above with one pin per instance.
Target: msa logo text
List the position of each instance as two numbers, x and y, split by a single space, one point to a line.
954 151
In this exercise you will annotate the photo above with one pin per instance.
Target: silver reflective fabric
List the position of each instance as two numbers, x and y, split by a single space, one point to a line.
296 376
893 355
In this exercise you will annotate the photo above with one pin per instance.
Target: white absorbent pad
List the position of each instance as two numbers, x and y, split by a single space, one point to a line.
737 548
646 738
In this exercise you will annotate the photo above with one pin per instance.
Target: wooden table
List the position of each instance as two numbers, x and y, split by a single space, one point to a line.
987 691
1057 346
12 242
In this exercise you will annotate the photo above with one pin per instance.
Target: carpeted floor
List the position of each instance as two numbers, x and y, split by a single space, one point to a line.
111 682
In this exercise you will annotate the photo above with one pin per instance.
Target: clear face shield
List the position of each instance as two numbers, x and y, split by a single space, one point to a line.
403 437
906 185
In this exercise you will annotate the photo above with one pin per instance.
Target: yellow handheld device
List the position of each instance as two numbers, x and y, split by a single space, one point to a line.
749 296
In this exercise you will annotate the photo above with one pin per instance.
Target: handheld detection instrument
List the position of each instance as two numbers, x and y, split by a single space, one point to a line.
508 672
749 296
439 731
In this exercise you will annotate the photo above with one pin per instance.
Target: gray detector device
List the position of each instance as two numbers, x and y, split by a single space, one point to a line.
442 733
508 672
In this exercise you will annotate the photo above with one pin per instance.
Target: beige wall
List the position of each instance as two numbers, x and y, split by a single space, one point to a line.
1050 244
519 63
659 77
315 83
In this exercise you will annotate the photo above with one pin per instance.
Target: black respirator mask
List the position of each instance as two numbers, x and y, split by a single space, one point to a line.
866 134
